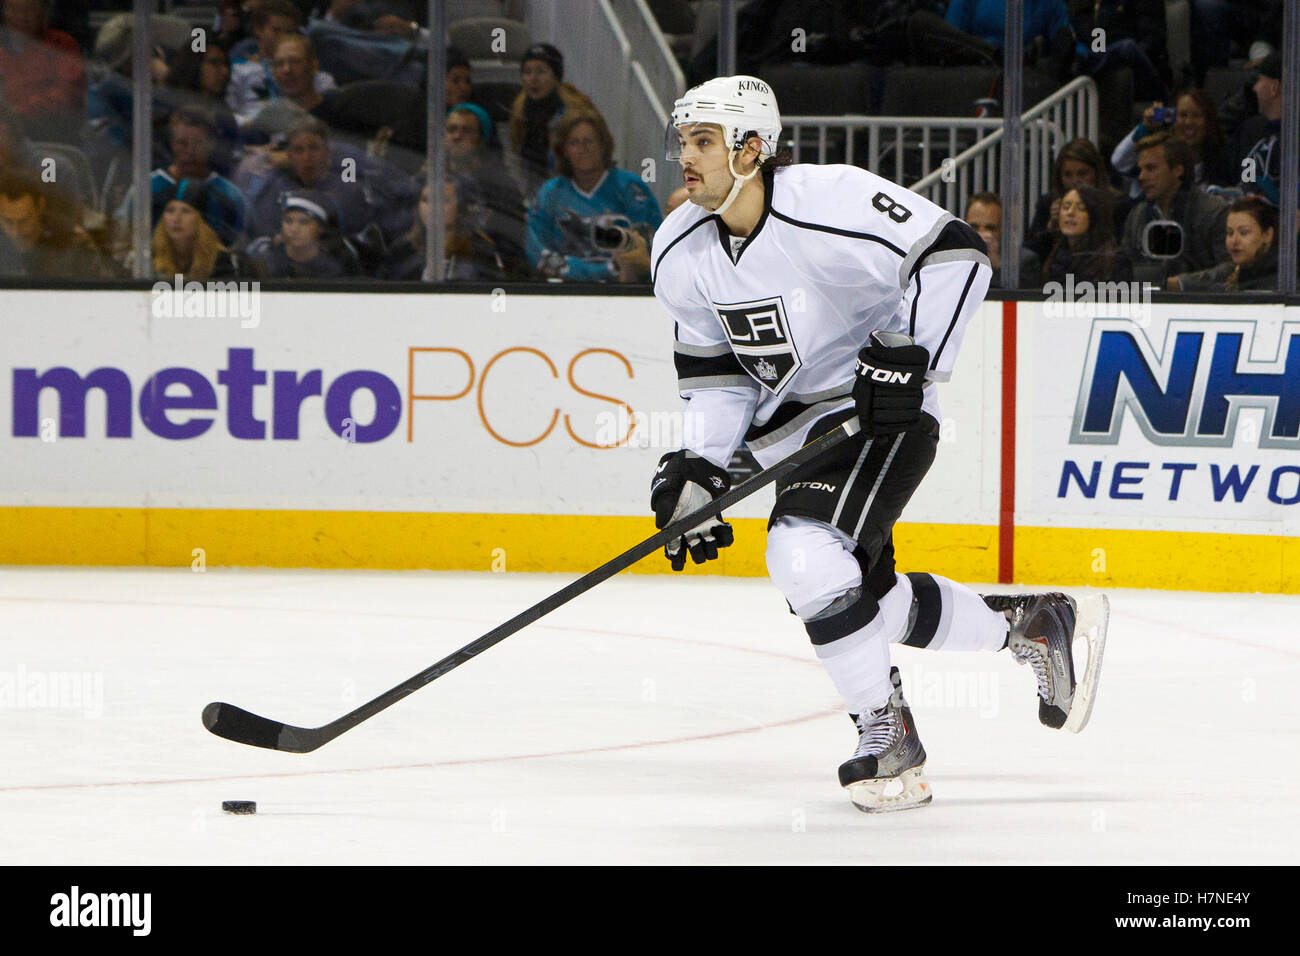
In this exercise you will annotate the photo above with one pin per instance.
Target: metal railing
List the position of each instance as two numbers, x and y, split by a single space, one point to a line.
904 148
650 49
1069 113
945 158
647 111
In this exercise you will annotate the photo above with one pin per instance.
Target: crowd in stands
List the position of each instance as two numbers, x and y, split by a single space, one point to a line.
289 141
1181 205
291 145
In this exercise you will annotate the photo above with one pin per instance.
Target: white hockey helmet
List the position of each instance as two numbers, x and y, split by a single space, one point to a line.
743 106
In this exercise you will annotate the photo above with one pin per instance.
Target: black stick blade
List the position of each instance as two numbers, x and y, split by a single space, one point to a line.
235 723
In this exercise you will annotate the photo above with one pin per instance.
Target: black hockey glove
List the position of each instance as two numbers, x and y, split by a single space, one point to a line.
684 482
888 388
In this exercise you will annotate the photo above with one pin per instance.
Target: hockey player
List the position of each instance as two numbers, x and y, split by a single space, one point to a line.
803 296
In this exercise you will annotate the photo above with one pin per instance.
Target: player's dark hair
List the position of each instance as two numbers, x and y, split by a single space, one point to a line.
780 159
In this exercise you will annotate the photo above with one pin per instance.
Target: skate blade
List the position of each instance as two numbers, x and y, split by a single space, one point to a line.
1091 622
909 789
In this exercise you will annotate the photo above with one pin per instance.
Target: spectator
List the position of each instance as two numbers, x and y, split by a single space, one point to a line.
457 86
201 78
539 107
233 28
307 244
193 138
1263 160
183 243
252 81
43 233
15 149
1086 248
110 109
361 190
1132 34
42 78
984 213
594 220
1218 25
353 14
490 196
1196 122
1252 251
1198 220
296 71
1079 163
973 31
471 254
73 18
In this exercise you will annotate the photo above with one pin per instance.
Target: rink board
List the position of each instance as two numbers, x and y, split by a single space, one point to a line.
518 432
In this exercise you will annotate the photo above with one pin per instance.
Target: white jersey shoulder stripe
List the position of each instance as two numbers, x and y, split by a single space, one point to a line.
836 231
654 274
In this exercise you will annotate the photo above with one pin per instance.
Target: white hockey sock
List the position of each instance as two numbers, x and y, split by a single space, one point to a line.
853 645
952 617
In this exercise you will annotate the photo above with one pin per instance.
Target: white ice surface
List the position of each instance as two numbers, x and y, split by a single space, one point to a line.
653 720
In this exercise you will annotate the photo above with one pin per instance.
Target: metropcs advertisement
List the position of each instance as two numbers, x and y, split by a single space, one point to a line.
417 403
430 430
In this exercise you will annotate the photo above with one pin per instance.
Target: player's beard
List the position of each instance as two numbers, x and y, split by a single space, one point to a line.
709 196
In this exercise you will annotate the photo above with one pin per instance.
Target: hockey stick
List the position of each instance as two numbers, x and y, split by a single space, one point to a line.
237 724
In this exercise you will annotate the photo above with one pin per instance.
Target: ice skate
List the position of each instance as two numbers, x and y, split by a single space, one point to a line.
1044 628
887 771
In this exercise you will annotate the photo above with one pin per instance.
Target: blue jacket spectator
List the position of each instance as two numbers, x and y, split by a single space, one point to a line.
987 19
193 141
592 222
1265 156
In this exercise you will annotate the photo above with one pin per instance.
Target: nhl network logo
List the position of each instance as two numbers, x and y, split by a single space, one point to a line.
76 909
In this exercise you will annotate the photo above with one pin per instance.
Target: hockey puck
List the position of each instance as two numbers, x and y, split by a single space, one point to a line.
239 806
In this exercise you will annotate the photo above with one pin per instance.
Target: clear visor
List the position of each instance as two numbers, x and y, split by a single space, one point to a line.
697 134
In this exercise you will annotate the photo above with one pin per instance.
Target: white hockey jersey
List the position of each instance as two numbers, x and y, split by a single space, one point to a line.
766 342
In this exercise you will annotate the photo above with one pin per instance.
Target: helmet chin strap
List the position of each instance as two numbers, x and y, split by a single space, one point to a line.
735 186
